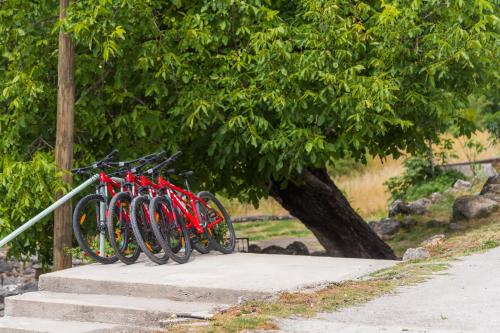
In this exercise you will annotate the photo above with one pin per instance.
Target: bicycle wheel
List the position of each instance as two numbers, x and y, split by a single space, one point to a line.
143 232
220 234
199 241
120 233
169 230
89 226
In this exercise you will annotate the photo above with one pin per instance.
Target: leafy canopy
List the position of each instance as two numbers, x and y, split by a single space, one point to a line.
248 89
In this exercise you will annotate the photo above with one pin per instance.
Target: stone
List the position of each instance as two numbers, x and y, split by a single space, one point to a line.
473 206
386 227
417 207
254 248
462 185
408 222
415 254
435 197
489 170
389 226
5 266
434 241
492 192
9 290
491 188
28 287
77 262
397 207
242 300
298 248
275 249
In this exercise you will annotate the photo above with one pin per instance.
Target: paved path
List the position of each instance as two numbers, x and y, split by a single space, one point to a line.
465 298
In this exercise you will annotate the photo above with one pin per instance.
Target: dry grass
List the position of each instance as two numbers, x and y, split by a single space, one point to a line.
365 189
478 236
266 207
463 152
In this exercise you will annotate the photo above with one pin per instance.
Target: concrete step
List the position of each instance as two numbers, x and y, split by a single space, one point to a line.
210 278
112 309
38 325
121 298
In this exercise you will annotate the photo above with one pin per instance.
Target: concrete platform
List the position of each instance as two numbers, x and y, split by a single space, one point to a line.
141 297
210 278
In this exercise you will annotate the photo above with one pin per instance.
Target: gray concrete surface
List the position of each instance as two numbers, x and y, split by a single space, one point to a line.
120 298
211 278
103 308
465 298
38 325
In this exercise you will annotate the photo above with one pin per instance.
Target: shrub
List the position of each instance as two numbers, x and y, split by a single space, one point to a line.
420 179
27 188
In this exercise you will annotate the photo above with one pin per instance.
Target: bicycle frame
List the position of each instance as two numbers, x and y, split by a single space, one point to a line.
181 204
106 187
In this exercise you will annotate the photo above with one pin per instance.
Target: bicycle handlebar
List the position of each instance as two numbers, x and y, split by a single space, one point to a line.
125 165
144 159
96 165
169 160
110 155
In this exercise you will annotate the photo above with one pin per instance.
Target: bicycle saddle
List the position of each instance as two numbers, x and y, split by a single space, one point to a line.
171 171
186 174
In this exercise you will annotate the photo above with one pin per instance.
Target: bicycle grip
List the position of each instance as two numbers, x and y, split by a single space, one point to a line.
175 156
110 155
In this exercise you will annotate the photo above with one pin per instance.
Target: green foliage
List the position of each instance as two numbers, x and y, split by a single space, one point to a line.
420 180
491 116
27 188
489 244
492 123
487 107
345 167
250 90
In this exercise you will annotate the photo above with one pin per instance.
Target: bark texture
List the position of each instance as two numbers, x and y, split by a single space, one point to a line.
321 206
64 142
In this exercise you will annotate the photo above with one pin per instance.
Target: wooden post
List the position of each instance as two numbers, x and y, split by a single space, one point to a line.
64 141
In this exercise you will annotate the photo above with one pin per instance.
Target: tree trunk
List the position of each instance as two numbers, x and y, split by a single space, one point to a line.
324 210
64 142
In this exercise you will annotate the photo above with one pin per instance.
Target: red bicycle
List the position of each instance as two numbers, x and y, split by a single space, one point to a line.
89 217
146 231
208 222
122 236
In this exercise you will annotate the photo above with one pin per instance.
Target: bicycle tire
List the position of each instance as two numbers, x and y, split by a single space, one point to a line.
214 241
120 251
78 219
173 252
140 229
